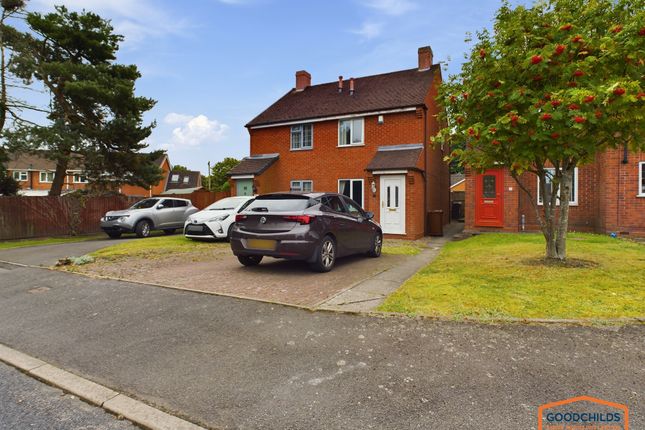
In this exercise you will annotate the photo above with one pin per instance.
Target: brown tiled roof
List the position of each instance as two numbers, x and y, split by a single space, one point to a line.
396 157
38 161
405 88
190 179
254 165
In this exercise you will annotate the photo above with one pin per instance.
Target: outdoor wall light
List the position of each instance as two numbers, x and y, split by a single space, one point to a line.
373 187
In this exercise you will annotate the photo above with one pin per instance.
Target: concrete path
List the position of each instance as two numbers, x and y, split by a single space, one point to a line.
368 294
48 255
27 403
230 363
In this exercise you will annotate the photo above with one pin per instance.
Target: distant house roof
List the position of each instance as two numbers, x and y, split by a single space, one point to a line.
254 165
394 157
404 88
456 179
183 181
36 161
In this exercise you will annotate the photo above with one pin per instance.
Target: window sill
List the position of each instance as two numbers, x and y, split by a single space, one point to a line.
301 149
640 195
351 146
558 204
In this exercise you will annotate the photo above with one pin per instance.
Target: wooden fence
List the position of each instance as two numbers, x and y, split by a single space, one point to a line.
26 217
202 198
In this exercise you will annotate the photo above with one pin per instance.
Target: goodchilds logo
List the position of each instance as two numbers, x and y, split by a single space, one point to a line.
583 413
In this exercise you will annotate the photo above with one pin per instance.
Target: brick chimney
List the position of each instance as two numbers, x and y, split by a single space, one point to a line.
303 80
425 58
351 86
340 84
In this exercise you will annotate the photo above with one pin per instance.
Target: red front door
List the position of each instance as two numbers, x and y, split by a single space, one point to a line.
489 198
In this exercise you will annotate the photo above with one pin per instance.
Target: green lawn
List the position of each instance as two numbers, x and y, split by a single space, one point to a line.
152 247
400 247
496 276
46 241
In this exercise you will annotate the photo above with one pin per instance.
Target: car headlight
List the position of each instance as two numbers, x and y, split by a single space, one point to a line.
122 218
218 218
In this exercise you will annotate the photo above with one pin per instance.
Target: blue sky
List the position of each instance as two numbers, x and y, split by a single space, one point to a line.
213 65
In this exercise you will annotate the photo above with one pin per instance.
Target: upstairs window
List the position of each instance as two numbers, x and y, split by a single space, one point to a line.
20 176
174 178
302 186
80 179
350 132
573 197
186 179
46 176
301 137
641 179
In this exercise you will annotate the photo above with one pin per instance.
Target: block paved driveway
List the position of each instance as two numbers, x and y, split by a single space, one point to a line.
230 363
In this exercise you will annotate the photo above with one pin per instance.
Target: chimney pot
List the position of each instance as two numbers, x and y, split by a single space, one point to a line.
340 84
425 58
303 80
351 86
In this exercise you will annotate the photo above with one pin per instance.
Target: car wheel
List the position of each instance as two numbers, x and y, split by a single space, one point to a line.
377 246
250 260
169 231
114 234
142 229
325 255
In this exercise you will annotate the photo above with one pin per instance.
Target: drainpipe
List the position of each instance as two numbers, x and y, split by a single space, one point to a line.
425 170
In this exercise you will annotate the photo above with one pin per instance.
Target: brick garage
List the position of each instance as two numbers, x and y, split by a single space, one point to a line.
608 198
397 110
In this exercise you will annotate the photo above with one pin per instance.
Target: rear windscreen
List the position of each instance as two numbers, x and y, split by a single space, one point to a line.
280 204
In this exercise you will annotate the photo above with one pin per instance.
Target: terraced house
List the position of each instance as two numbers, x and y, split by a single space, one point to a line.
366 137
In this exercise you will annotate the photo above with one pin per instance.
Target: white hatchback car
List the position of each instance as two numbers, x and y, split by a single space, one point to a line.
215 221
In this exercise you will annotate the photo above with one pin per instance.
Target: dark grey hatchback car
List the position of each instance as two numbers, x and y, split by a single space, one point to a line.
315 227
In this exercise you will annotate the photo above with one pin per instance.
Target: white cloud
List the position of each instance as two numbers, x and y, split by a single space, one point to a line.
391 7
136 20
194 130
369 30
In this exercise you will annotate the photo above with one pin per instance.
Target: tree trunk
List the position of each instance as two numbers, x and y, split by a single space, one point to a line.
59 176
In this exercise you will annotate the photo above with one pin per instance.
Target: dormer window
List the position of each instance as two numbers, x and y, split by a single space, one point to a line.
301 137
186 179
174 178
350 132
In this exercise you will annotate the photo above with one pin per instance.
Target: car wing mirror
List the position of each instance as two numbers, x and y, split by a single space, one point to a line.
369 215
160 206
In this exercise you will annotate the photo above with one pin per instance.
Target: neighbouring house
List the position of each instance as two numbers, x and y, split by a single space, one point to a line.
183 182
608 196
35 174
457 196
368 138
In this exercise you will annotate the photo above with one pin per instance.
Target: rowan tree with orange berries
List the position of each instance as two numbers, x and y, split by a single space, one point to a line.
548 89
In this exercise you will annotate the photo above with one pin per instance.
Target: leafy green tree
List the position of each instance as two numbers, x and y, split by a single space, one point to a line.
94 110
8 185
552 86
219 172
180 168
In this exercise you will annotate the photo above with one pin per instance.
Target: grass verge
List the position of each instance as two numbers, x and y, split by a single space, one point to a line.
10 244
154 247
496 276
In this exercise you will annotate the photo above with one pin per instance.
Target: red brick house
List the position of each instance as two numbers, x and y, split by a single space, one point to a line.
608 196
35 175
367 138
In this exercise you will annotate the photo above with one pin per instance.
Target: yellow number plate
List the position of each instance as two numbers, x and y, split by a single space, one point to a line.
264 244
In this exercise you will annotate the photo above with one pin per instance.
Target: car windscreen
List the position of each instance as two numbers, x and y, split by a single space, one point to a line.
145 204
280 203
228 203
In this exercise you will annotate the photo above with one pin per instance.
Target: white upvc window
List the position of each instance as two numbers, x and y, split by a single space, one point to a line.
302 137
186 179
80 179
351 132
573 198
20 176
641 179
303 186
174 178
46 177
352 188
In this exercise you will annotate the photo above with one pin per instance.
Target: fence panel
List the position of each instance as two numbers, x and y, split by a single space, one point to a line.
27 217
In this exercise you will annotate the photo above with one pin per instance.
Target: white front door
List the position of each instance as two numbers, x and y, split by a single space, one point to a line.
393 204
